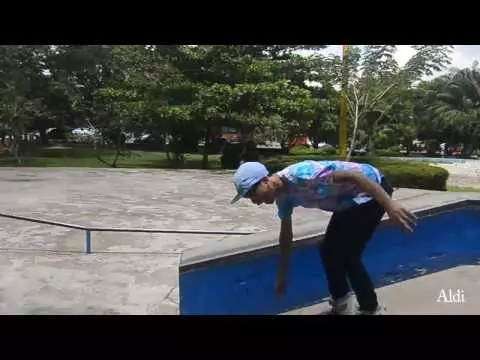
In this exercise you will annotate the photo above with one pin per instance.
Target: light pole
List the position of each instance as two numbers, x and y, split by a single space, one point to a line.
342 131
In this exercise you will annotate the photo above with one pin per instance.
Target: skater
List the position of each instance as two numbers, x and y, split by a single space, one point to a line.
358 195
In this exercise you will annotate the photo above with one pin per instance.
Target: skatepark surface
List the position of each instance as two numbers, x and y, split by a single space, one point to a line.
44 269
450 292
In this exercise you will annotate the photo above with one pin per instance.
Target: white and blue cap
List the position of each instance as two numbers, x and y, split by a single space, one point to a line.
248 175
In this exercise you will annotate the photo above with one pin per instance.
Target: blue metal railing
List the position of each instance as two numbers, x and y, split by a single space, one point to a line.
88 229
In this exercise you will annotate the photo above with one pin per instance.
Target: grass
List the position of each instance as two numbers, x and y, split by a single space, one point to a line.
88 158
454 188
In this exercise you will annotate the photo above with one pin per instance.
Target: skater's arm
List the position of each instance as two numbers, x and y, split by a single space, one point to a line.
285 244
398 214
285 241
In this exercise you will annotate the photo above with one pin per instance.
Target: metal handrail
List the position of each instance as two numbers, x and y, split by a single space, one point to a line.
89 229
41 221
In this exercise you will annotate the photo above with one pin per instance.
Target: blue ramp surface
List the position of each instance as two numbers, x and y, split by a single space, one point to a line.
246 286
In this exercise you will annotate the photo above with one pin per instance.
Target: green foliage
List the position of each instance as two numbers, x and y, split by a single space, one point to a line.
304 151
381 94
417 176
390 152
267 92
454 109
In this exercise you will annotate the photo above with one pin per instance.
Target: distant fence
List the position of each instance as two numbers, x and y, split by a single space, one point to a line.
88 229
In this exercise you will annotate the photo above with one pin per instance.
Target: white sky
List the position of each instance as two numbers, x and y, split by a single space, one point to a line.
463 55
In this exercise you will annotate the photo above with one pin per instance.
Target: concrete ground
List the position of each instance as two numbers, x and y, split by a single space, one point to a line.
450 292
43 269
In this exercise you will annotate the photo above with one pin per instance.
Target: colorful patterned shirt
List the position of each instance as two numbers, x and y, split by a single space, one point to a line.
309 184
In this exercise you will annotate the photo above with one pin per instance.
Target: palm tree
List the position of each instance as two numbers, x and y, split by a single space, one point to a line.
457 107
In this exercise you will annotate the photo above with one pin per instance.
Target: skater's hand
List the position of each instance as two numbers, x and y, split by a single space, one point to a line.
280 285
401 216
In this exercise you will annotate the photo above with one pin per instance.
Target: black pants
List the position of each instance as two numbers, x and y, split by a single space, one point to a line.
341 251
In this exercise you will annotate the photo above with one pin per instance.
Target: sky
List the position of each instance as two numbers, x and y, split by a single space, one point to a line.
463 55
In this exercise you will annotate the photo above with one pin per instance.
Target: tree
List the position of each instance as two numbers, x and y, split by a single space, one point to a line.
21 75
249 87
375 82
458 107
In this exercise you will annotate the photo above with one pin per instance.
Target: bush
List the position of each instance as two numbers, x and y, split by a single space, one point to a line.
389 153
417 176
302 150
400 173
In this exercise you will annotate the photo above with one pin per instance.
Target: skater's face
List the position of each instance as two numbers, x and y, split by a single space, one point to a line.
262 193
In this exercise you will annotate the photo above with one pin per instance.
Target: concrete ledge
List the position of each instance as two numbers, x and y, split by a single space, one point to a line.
422 203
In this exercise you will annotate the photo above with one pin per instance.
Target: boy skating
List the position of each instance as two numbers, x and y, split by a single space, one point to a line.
358 195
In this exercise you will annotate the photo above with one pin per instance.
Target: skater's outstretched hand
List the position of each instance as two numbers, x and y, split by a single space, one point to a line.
280 285
401 216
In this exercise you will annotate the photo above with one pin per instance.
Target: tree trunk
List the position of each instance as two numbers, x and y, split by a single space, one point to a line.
206 148
15 148
177 149
15 134
117 149
408 147
168 146
355 128
352 143
284 146
43 136
467 149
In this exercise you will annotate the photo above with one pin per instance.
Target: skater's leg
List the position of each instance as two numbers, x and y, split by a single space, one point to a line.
342 248
332 254
363 223
362 230
333 259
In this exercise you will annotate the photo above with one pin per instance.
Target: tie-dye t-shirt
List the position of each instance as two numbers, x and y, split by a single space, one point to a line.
309 184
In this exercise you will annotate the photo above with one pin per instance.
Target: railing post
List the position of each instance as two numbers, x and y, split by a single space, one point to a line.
88 242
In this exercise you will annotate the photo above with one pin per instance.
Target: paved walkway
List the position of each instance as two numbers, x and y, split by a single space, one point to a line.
466 174
43 269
